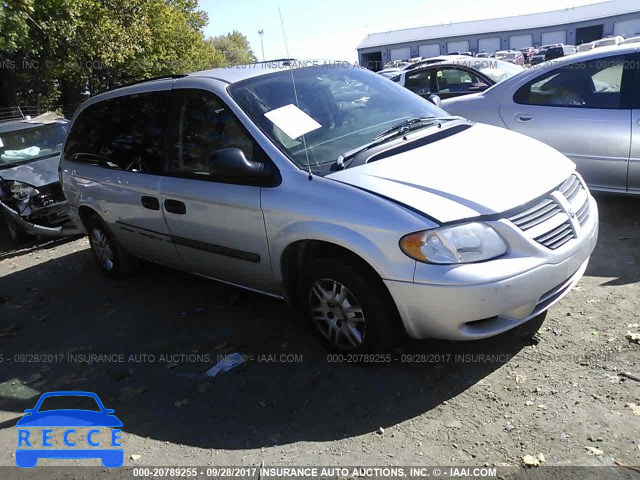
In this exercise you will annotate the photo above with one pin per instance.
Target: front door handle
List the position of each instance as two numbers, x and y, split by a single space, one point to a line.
523 117
174 206
151 203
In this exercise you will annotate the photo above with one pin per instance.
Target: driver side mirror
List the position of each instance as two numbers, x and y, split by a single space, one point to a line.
232 164
435 99
478 87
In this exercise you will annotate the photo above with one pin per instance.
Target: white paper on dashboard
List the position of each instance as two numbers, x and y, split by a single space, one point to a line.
292 121
1 144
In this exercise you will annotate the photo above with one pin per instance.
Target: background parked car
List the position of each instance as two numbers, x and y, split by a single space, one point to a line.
453 79
551 52
393 72
584 106
585 47
31 199
608 42
527 53
482 55
512 56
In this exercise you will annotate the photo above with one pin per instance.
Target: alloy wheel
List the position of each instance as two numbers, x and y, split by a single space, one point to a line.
337 314
102 249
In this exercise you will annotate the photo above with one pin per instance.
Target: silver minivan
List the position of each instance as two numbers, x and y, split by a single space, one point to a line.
328 186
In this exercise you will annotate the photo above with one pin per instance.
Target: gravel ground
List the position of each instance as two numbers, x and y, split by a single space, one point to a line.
490 402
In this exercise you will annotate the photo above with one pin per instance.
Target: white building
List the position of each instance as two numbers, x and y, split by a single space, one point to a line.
571 26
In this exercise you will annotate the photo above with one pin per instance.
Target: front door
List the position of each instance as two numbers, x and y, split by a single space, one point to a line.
218 227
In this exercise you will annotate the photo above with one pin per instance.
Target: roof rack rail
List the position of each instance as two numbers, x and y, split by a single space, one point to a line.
137 82
275 60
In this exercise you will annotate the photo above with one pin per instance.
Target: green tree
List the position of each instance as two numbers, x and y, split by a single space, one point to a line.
234 47
61 51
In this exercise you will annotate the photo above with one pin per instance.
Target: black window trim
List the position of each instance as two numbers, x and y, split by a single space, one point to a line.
626 85
634 60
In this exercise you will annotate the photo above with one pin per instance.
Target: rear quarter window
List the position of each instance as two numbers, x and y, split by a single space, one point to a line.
124 133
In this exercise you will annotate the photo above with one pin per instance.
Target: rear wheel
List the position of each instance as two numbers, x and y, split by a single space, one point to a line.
107 251
16 232
349 310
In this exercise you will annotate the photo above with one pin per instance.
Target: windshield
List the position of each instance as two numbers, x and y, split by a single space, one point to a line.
31 143
351 106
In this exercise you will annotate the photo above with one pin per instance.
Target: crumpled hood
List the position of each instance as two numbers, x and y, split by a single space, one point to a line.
482 170
38 173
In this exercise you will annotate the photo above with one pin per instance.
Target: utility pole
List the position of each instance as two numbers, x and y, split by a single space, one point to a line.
261 33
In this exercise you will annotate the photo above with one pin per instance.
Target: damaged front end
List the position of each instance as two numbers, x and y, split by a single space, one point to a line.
40 211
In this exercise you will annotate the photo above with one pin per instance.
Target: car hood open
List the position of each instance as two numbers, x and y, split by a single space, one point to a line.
37 174
482 170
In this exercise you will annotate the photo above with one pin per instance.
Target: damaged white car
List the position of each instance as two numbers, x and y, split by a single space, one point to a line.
31 199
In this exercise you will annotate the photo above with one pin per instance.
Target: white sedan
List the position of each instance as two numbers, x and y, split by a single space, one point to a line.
585 105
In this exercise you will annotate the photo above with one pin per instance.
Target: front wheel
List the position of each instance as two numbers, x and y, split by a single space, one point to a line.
107 251
349 310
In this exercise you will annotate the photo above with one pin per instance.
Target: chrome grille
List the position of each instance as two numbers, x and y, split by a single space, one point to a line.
556 219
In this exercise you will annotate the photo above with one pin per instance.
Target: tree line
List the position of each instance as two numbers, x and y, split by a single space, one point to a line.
59 52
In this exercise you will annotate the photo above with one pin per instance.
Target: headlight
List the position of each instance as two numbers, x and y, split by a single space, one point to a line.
22 191
465 243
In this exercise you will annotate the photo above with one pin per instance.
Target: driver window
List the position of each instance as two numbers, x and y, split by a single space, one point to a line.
204 125
593 84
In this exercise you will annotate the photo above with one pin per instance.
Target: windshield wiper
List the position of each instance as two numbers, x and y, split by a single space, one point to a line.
413 124
401 128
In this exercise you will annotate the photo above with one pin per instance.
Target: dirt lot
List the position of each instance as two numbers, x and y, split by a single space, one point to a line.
488 402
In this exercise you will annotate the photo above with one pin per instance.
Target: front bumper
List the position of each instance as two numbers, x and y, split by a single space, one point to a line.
475 301
41 230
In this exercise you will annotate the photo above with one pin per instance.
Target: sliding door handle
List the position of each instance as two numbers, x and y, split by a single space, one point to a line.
151 203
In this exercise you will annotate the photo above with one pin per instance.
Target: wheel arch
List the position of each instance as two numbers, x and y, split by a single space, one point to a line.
301 252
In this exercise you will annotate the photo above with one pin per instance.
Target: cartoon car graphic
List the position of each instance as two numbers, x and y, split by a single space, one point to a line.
31 448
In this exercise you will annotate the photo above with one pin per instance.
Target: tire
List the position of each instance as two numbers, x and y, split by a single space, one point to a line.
17 234
364 318
107 251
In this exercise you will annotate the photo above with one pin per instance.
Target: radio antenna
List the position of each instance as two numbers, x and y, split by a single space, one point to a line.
295 92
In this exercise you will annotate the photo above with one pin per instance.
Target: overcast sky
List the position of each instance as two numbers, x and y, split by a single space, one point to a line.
332 29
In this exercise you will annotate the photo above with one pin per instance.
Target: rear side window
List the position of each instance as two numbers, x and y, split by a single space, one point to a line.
593 84
124 133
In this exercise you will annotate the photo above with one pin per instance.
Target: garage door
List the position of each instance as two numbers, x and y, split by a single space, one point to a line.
400 53
488 45
520 41
554 37
627 28
428 51
462 46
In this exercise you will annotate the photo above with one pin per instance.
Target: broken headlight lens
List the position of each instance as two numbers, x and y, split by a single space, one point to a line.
465 243
22 191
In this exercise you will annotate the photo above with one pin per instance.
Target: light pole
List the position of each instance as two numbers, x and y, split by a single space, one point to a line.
261 33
